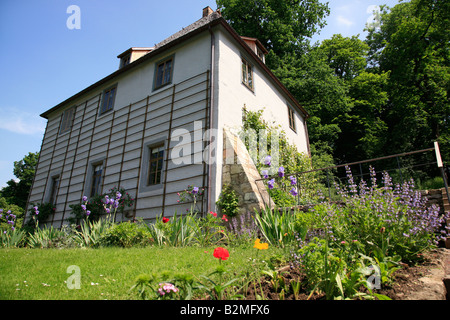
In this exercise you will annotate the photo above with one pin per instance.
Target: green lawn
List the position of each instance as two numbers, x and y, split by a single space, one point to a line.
107 273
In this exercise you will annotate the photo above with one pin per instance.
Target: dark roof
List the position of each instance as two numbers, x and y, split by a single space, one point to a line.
193 29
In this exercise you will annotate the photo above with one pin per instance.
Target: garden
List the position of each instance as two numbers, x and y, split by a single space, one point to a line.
347 249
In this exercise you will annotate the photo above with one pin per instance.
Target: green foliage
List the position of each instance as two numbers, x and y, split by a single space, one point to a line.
91 232
187 230
12 238
126 235
48 237
16 210
17 192
412 44
287 154
97 206
327 270
278 228
228 202
282 26
179 286
45 211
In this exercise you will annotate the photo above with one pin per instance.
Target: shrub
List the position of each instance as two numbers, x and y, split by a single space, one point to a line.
125 234
49 237
228 202
40 212
91 232
278 228
395 219
97 205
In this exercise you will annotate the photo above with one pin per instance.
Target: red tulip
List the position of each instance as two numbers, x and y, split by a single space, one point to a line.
165 220
221 253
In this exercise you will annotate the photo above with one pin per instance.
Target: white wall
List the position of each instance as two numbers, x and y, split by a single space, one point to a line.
233 95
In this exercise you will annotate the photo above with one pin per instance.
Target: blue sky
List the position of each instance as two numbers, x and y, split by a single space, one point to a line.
43 62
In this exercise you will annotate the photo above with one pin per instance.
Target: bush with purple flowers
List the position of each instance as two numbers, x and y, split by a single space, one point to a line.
395 219
192 194
116 200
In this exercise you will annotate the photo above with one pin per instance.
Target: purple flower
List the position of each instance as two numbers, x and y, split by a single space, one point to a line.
85 198
83 207
265 173
195 190
271 183
294 192
88 212
293 180
281 172
267 160
118 195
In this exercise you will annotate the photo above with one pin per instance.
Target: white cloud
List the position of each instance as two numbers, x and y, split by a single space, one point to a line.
343 21
21 122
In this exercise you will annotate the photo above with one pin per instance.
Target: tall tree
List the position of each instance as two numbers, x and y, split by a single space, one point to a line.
17 192
412 44
282 26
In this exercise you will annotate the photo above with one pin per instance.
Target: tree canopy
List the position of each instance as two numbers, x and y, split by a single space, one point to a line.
366 98
16 192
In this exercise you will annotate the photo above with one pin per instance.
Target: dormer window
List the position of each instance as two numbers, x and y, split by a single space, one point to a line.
132 55
124 61
256 47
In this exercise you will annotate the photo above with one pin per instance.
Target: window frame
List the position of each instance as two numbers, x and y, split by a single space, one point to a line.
291 119
54 188
158 160
110 101
163 62
250 84
144 187
95 188
67 120
126 60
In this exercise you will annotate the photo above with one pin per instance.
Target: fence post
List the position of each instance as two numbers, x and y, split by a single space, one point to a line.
328 184
399 169
441 167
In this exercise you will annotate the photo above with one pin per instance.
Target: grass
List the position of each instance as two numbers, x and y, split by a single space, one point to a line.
106 273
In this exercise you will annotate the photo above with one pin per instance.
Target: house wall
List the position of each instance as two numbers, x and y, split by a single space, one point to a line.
233 95
118 139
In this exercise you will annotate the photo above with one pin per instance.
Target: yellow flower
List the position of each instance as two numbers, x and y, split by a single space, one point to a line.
260 246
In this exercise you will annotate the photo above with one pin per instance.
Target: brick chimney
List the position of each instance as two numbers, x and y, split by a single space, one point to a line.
207 11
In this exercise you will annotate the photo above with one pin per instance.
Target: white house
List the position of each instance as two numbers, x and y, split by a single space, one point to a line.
145 127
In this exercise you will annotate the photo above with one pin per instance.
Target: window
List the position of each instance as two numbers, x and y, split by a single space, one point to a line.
291 119
163 75
155 165
125 60
67 119
247 74
108 99
96 179
54 189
